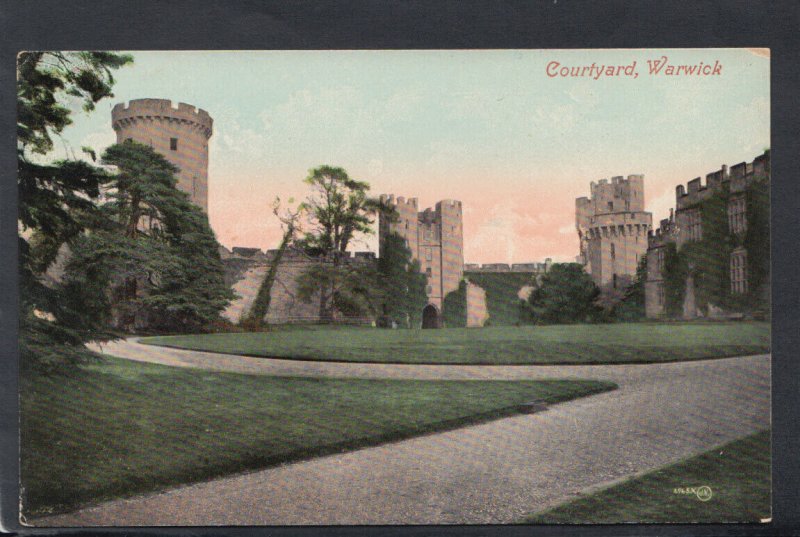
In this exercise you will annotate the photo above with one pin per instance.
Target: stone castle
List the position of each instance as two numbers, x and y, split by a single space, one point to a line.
434 235
685 225
435 238
612 229
179 133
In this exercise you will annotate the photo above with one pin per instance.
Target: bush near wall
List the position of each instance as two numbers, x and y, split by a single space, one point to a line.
454 309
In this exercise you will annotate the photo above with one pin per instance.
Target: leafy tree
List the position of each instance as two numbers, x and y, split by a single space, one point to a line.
155 265
631 307
338 208
565 294
56 198
402 285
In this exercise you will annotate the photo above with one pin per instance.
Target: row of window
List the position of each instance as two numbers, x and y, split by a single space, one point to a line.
737 220
738 274
627 205
427 233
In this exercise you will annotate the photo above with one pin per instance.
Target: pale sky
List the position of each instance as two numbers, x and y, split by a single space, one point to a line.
489 128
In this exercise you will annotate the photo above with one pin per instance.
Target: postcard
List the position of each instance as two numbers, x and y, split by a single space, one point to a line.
393 287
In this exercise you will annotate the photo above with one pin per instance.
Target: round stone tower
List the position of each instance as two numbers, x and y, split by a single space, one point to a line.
179 133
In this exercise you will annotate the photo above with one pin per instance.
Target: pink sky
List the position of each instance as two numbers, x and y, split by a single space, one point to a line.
488 128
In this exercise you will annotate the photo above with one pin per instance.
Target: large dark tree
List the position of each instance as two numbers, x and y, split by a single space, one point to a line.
156 263
338 209
565 294
56 198
401 283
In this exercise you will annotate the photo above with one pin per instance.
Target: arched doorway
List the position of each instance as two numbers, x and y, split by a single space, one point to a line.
430 317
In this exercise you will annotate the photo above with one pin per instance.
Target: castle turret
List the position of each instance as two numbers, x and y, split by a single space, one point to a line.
435 238
612 229
179 133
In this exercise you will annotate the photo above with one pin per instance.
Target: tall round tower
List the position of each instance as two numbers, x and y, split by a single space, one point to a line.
180 134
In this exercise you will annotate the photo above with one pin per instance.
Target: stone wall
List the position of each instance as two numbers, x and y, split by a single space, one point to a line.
435 238
245 275
685 225
477 312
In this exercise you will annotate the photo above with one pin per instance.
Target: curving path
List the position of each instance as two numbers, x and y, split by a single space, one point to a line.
495 472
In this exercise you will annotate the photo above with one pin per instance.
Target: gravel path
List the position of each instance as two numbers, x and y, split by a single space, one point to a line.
495 472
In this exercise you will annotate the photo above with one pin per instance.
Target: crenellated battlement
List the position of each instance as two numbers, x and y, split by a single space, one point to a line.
612 228
161 109
663 233
533 267
737 178
399 201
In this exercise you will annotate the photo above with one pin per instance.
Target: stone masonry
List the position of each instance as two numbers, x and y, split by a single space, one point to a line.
179 133
685 225
612 228
435 238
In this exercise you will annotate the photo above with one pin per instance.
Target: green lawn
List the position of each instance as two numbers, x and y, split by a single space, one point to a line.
738 475
564 344
116 427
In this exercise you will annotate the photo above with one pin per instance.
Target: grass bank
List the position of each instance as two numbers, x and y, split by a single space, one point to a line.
736 474
116 428
564 344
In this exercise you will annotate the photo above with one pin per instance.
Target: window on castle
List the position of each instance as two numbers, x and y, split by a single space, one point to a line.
610 206
428 253
660 294
615 281
739 272
694 225
173 144
737 219
428 272
613 252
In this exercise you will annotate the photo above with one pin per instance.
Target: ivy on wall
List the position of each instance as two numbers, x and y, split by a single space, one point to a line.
454 309
757 243
708 260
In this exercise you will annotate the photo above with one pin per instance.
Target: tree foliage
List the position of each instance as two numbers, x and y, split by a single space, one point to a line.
565 294
632 305
337 209
56 198
155 264
454 307
402 285
708 260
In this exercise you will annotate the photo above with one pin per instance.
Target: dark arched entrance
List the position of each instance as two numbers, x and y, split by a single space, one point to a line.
430 317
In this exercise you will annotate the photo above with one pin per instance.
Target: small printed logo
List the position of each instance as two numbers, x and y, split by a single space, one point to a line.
703 493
